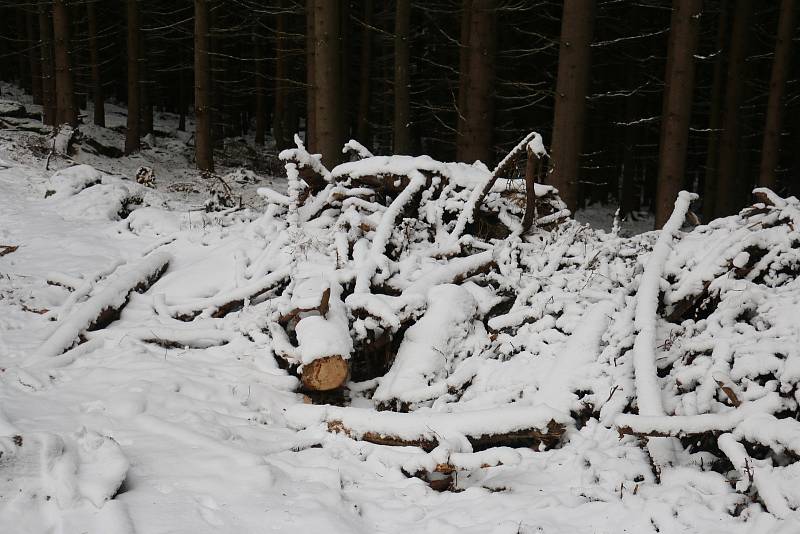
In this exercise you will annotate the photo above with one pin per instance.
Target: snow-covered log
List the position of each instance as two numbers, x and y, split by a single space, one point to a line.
539 427
105 305
648 392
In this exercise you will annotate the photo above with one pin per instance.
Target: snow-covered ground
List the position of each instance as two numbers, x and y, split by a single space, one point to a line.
153 424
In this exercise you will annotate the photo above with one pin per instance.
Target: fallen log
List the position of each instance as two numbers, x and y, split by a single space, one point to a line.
538 427
533 438
690 425
325 374
105 306
220 305
7 249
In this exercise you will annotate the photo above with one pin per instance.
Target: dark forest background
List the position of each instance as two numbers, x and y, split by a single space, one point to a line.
636 98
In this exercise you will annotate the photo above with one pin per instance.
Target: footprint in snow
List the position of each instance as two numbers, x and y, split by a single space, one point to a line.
207 508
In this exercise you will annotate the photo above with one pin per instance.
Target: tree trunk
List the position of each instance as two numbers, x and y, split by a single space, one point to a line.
204 157
463 74
728 188
362 121
777 87
629 188
260 83
145 89
94 59
402 104
48 72
132 130
327 75
23 67
183 99
677 110
65 94
281 128
34 58
311 83
475 141
712 154
344 76
574 58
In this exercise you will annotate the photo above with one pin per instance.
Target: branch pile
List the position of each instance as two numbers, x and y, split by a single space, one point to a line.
454 312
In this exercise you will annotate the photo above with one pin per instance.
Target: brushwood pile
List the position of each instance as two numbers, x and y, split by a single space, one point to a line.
456 317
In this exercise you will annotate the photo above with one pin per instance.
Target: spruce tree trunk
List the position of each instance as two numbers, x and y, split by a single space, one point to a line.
463 74
344 77
94 59
574 56
677 110
183 99
712 153
402 104
65 92
34 58
475 141
629 189
328 78
48 70
132 127
204 157
281 128
311 84
728 187
260 78
362 121
145 88
777 87
23 67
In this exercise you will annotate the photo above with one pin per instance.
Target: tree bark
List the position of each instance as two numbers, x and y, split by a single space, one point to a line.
260 79
48 72
344 76
362 121
475 141
569 118
94 59
65 93
132 129
402 104
311 83
281 128
145 88
728 186
204 157
327 75
183 99
23 67
777 87
677 110
463 73
712 153
34 58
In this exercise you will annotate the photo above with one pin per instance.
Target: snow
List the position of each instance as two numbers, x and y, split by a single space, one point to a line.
176 416
415 375
648 392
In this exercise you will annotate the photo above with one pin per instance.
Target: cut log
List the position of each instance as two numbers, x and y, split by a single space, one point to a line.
534 438
105 306
325 374
539 427
220 305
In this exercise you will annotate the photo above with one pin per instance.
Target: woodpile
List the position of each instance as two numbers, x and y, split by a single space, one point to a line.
378 213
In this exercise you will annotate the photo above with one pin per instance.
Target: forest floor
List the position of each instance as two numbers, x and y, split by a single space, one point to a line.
127 433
